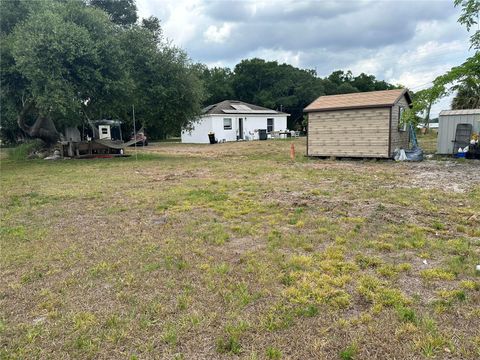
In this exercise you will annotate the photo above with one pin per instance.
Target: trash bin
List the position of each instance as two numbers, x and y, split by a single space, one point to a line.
262 134
211 138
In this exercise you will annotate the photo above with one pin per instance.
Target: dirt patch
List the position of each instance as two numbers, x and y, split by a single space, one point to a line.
450 175
445 175
177 175
240 245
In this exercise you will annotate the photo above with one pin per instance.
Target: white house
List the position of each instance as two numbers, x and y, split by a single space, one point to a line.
232 120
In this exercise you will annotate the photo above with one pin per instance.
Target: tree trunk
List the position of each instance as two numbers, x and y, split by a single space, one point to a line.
43 127
427 116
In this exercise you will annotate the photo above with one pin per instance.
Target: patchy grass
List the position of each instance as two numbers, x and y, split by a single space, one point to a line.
428 141
233 250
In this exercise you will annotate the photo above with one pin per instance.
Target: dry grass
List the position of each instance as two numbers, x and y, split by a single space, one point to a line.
233 250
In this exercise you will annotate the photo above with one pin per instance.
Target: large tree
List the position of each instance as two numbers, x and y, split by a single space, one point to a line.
166 92
64 60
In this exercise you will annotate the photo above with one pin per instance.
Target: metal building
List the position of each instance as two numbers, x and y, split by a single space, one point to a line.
447 125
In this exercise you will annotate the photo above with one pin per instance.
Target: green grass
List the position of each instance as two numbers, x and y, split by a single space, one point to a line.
428 142
348 353
273 353
235 251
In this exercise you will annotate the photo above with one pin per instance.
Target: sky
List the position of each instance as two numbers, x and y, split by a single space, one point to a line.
401 41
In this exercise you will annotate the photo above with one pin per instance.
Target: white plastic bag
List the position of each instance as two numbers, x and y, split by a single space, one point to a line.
400 155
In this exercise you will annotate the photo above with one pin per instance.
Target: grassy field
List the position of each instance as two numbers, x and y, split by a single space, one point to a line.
235 251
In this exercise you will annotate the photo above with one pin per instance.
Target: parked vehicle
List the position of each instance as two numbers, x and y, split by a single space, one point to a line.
140 137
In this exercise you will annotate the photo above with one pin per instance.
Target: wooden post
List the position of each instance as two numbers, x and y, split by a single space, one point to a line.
292 151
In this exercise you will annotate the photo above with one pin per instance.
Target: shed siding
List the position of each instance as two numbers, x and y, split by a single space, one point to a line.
399 138
355 133
447 126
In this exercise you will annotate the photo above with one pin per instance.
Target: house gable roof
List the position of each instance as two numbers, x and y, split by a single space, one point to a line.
383 98
229 107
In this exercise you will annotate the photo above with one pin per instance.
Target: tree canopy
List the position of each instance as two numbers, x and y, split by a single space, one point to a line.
122 12
64 59
464 79
467 96
469 18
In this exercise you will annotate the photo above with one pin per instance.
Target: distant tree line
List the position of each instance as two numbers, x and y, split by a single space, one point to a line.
280 86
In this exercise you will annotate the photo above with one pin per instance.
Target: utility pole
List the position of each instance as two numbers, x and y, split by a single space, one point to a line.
134 132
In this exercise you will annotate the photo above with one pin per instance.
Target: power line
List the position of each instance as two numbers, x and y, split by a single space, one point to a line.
419 86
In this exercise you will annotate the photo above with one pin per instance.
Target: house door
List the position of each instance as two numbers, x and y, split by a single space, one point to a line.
240 128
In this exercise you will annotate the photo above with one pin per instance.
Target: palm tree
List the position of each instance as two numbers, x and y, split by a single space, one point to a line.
468 95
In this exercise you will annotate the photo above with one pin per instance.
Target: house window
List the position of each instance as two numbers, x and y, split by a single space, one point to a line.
227 124
104 131
402 125
269 125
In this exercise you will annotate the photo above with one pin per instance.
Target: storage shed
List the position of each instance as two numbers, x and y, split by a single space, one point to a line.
447 125
358 125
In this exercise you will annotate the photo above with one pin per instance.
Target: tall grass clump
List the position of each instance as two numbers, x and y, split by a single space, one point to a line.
22 151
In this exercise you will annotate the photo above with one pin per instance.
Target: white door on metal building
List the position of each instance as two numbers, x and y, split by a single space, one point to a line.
104 131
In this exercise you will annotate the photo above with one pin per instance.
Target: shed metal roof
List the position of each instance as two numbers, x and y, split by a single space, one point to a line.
238 107
383 98
460 112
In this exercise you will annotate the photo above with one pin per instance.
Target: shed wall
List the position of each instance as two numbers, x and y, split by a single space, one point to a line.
351 133
447 125
399 138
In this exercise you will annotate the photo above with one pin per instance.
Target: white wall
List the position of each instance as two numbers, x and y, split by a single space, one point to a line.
199 135
215 123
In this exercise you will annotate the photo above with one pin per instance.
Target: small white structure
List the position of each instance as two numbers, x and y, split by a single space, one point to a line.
104 131
447 125
232 120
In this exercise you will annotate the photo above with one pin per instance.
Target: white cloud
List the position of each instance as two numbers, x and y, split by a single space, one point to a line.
218 34
180 19
279 55
219 64
409 42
